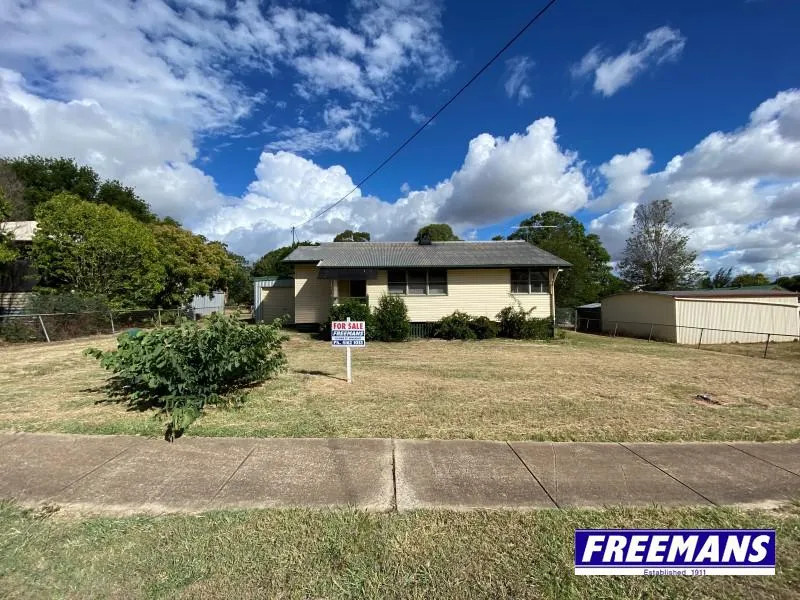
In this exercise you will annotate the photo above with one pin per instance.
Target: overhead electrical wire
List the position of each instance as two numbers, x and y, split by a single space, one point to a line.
441 109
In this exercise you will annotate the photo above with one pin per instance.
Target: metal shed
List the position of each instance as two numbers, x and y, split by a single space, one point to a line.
206 305
696 317
273 298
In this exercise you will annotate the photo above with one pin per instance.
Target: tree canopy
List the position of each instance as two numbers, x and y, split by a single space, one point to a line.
270 264
722 278
97 250
41 178
7 251
349 235
790 283
656 255
748 279
590 277
437 232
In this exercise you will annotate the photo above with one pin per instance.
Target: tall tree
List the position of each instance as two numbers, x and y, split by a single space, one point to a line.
656 255
13 191
7 251
789 283
722 278
124 198
437 232
270 264
352 236
96 250
747 279
590 277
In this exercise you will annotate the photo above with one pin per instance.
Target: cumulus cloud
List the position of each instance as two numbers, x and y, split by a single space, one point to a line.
738 191
516 78
611 73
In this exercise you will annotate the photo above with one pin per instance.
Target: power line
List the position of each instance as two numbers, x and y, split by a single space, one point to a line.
419 130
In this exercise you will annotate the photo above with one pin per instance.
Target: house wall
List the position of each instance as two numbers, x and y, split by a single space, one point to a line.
312 296
775 315
478 292
632 314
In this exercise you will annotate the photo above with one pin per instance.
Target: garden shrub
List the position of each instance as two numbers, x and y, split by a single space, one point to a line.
454 327
484 328
390 319
516 323
356 310
180 370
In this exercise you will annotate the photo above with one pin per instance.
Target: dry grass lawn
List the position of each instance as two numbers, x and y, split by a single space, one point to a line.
582 388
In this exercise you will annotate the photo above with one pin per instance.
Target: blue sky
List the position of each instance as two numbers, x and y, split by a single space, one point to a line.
244 118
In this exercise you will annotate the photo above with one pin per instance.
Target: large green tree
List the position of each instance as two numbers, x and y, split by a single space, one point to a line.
270 264
97 250
789 283
348 235
748 279
656 255
7 251
590 277
44 177
438 232
721 279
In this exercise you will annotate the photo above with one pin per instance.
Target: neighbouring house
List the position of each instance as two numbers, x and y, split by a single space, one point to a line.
434 278
718 316
18 278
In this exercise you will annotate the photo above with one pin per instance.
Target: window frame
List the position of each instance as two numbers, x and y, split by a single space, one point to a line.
406 272
542 283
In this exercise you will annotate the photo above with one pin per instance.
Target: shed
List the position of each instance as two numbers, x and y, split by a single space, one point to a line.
206 305
717 316
273 298
588 317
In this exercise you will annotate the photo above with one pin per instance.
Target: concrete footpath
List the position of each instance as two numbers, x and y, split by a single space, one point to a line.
122 474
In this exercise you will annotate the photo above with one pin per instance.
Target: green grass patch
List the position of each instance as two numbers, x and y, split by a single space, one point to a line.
352 554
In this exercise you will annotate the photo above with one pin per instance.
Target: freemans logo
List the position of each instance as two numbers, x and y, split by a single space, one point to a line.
674 552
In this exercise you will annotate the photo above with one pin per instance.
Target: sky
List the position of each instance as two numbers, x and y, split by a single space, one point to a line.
242 119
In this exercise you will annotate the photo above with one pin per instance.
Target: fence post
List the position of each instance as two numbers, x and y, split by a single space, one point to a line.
766 346
159 316
111 316
650 335
700 341
46 336
615 329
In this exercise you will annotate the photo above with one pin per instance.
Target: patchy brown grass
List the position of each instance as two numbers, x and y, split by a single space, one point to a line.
781 350
583 388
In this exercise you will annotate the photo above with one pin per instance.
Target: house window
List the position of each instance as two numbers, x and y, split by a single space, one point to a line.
418 282
529 281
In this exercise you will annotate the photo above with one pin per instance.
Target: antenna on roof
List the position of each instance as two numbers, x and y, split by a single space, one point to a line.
292 235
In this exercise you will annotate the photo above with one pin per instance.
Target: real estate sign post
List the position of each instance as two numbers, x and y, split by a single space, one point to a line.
349 334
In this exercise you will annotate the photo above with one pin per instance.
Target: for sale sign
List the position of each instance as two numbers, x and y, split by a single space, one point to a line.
348 333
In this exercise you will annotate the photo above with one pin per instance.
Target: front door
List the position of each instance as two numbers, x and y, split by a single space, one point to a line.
358 288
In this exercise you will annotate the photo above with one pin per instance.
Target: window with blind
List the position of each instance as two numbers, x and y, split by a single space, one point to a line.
529 281
418 282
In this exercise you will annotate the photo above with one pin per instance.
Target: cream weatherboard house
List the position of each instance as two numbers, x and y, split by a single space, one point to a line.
434 279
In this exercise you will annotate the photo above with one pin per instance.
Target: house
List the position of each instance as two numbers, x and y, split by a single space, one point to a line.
434 278
717 316
18 278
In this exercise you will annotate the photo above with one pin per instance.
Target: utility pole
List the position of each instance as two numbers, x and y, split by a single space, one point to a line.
292 235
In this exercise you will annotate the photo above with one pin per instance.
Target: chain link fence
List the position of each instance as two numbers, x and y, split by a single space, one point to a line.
52 327
748 343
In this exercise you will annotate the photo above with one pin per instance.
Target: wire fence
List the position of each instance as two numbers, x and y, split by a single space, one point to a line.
751 343
52 327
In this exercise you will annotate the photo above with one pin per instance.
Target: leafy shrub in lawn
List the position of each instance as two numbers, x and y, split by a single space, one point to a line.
516 323
484 328
390 319
356 310
180 370
454 327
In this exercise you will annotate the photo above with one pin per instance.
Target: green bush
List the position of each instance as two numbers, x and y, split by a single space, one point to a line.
390 320
516 323
454 327
179 370
484 328
356 310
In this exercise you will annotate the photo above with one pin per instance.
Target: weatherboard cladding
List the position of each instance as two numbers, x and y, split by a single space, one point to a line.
383 255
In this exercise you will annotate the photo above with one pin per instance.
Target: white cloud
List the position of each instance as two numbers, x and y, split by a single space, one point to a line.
611 73
738 192
415 115
516 75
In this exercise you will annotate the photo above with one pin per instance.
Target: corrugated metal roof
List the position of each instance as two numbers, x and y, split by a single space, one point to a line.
21 230
515 253
726 292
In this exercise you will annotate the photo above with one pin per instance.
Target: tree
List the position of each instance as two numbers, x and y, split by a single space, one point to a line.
722 278
590 277
656 256
192 266
438 232
96 250
789 283
42 178
240 284
7 251
748 279
498 238
352 236
270 264
12 190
